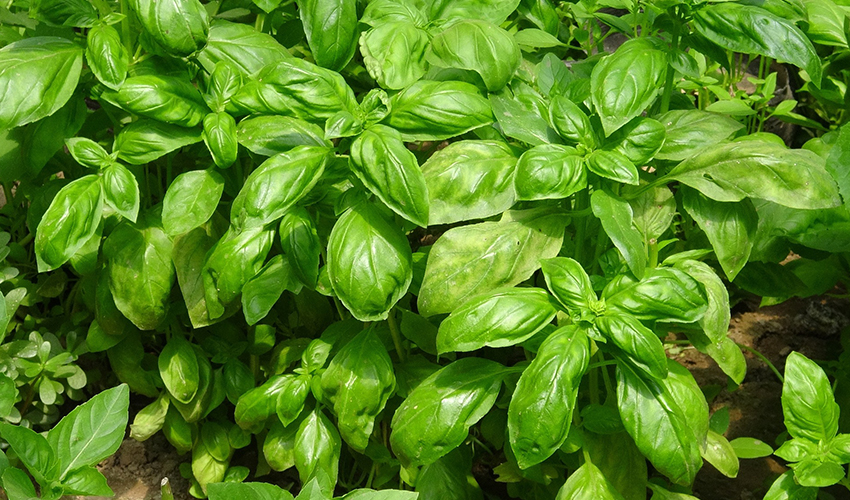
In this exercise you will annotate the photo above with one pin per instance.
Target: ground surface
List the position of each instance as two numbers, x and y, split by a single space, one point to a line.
810 326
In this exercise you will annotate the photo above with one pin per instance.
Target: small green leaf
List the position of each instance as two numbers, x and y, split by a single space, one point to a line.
178 367
191 200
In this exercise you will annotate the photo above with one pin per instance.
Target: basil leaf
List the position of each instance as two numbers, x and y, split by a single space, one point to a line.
236 258
380 12
291 398
754 30
140 272
794 178
838 156
786 488
317 449
164 98
88 153
470 180
33 450
262 291
300 242
807 401
76 13
691 130
436 416
150 419
38 76
613 165
719 453
247 491
294 87
92 431
449 477
180 26
653 212
488 10
571 122
569 283
588 483
220 138
664 294
541 407
522 115
469 260
658 425
549 171
616 217
331 30
390 171
43 139
369 263
86 481
242 46
224 81
639 140
479 46
144 141
177 431
619 460
188 254
276 185
433 111
626 82
69 222
358 382
501 318
191 200
121 191
394 53
641 346
730 227
106 56
258 404
178 367
715 322
270 135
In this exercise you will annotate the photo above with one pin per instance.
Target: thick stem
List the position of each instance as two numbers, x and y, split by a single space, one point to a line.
396 333
668 83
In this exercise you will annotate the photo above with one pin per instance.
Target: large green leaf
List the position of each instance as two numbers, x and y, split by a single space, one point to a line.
387 168
106 55
807 401
394 53
658 425
473 259
542 405
140 271
317 449
242 46
494 11
433 111
331 30
369 262
755 30
358 382
640 345
276 185
626 82
435 417
470 180
37 77
270 135
794 178
92 431
69 222
588 483
664 294
164 98
617 220
295 87
549 171
144 141
180 26
730 228
691 130
479 46
501 318
191 200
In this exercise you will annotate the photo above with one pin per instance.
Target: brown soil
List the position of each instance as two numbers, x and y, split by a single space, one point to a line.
136 471
810 326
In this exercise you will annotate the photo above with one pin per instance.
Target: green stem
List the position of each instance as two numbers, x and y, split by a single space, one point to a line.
653 253
125 27
396 336
764 360
582 203
167 494
260 21
668 83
